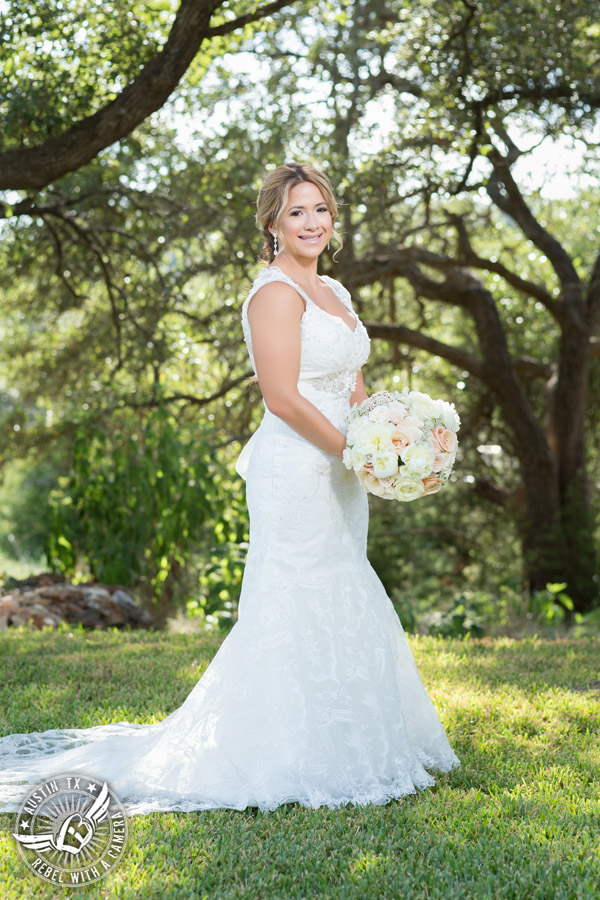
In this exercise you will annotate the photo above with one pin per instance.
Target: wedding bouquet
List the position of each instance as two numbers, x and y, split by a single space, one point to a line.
401 444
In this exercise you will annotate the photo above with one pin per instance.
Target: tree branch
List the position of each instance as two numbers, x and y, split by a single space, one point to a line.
486 489
261 13
561 91
458 289
189 398
593 295
403 335
464 290
469 257
35 167
530 367
511 201
524 366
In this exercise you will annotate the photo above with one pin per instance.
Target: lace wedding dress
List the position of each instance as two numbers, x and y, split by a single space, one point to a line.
314 695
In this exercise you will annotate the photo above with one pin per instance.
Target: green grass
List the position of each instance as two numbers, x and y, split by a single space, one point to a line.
519 819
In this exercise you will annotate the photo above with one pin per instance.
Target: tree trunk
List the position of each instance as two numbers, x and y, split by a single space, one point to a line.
567 422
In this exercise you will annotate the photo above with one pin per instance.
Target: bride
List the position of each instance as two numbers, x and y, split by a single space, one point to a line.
313 696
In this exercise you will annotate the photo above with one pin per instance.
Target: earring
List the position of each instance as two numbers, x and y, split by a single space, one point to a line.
328 244
274 245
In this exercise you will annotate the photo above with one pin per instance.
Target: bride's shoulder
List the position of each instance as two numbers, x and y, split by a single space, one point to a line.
270 285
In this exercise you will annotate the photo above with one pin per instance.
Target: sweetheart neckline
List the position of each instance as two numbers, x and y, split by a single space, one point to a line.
331 315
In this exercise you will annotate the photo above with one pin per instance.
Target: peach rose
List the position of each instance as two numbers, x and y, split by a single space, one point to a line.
444 440
431 484
369 482
403 435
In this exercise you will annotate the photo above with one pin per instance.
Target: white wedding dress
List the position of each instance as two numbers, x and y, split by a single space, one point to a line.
314 695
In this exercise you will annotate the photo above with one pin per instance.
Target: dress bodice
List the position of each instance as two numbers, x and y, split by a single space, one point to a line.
331 352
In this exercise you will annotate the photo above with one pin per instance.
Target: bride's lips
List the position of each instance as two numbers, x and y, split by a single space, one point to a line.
311 238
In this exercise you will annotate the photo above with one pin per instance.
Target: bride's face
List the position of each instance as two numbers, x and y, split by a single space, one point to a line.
306 223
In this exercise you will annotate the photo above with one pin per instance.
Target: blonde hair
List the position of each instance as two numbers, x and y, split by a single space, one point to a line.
273 198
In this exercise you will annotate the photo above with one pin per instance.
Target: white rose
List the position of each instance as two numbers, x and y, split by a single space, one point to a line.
347 457
385 463
419 458
451 419
447 414
408 489
422 406
397 413
380 414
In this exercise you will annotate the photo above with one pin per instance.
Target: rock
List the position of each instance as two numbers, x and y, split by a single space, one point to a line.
48 599
8 608
124 599
61 592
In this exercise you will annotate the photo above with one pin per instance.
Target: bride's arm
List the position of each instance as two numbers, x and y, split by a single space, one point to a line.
274 314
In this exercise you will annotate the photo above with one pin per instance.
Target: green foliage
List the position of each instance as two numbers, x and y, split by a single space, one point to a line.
134 505
508 610
24 516
216 596
61 61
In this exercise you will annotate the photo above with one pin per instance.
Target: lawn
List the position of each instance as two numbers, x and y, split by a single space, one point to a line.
519 819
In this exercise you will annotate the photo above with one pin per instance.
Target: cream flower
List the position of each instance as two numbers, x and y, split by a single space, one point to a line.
375 436
408 489
385 463
422 406
359 458
448 415
419 458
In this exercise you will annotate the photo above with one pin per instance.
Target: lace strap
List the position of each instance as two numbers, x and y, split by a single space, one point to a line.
339 290
267 276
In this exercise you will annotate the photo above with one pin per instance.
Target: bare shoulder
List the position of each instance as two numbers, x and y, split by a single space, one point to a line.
276 299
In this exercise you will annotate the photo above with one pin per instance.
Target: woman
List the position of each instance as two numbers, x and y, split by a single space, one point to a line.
313 696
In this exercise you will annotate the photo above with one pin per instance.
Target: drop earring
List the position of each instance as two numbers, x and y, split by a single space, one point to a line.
328 245
274 245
